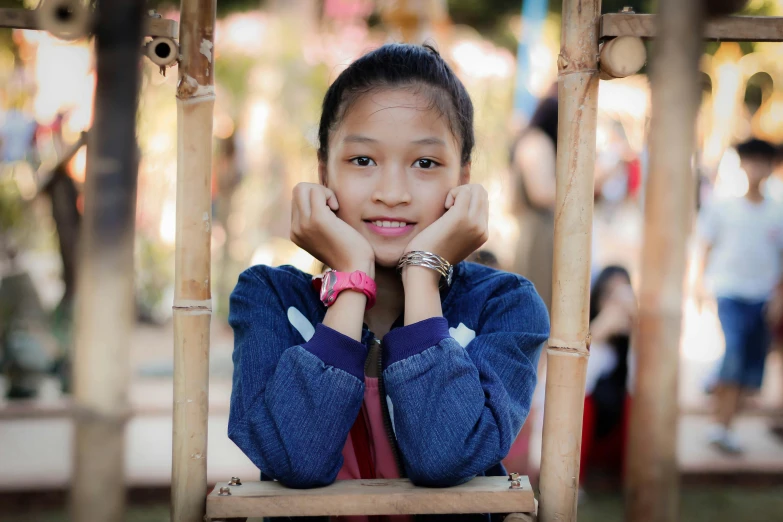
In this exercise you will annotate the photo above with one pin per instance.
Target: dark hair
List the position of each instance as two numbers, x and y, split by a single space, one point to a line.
545 118
599 286
757 149
400 65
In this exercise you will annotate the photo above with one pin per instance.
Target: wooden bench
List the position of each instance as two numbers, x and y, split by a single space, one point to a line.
370 497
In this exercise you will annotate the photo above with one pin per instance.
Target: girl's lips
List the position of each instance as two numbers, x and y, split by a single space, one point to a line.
389 231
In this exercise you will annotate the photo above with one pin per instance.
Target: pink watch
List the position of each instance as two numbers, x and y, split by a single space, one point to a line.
331 283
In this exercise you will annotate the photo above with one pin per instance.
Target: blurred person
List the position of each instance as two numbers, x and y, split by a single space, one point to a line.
17 133
743 243
775 320
613 312
533 159
484 257
773 190
26 346
402 360
612 175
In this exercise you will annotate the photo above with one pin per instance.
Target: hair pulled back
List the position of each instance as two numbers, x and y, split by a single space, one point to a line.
400 66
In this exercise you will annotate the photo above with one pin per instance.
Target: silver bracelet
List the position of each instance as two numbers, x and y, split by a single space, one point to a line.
427 260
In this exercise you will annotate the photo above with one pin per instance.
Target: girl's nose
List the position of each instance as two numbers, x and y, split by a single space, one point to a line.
392 188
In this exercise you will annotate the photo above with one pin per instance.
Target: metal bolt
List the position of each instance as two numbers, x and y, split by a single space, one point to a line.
513 476
627 10
235 481
225 491
515 484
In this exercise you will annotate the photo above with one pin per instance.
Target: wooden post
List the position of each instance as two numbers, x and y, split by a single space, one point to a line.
651 472
569 340
192 298
105 295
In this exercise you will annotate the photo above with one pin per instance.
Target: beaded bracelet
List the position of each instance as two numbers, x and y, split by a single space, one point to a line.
427 260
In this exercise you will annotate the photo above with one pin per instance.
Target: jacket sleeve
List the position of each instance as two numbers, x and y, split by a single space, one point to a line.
456 411
291 406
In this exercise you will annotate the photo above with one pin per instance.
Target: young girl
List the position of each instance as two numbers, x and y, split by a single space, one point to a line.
607 401
409 363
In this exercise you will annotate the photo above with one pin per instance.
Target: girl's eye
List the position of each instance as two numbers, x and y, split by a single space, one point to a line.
425 163
363 161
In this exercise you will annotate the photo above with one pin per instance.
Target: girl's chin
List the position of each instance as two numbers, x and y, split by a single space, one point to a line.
387 258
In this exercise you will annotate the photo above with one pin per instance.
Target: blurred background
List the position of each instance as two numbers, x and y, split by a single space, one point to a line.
274 61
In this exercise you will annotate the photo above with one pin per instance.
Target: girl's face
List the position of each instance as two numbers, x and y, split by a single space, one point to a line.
617 289
392 161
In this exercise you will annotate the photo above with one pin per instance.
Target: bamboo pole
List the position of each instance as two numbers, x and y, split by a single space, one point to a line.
105 296
192 298
569 339
651 472
20 18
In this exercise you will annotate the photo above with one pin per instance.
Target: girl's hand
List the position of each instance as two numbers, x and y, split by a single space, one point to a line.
316 229
614 319
461 230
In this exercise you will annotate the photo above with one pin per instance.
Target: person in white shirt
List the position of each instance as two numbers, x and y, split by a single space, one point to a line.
743 243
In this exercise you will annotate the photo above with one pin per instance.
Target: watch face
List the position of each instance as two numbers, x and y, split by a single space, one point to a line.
327 287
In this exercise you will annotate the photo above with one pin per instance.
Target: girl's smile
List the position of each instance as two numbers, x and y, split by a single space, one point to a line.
389 227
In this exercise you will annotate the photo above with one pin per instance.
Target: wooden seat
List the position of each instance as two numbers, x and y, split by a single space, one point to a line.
369 497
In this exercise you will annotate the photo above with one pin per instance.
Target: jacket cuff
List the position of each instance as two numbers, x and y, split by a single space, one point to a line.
406 341
338 350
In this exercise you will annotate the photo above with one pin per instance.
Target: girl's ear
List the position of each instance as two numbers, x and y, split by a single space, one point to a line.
322 175
464 174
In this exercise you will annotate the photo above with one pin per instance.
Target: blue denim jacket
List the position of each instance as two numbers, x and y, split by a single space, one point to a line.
458 403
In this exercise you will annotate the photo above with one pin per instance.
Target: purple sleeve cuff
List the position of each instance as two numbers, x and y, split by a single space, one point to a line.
338 350
409 340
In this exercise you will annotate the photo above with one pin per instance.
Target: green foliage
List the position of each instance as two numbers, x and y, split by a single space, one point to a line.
232 72
223 6
15 213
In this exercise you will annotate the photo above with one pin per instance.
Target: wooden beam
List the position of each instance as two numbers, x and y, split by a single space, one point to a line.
727 29
192 259
18 18
651 474
27 19
370 497
569 338
161 27
105 308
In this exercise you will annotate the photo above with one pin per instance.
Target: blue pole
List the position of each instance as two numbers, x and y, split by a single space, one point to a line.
533 15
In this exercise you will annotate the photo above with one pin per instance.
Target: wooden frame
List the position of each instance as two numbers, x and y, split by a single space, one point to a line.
369 497
192 259
15 18
652 477
569 340
104 312
729 28
101 408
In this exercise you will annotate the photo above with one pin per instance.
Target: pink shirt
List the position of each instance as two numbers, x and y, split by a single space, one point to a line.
380 449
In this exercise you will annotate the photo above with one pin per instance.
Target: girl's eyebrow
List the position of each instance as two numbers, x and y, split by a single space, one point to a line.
355 138
429 141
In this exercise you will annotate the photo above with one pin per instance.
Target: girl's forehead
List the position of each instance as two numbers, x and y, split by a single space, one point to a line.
391 113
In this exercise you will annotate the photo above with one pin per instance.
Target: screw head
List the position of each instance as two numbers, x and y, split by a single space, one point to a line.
513 476
224 492
235 481
515 484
